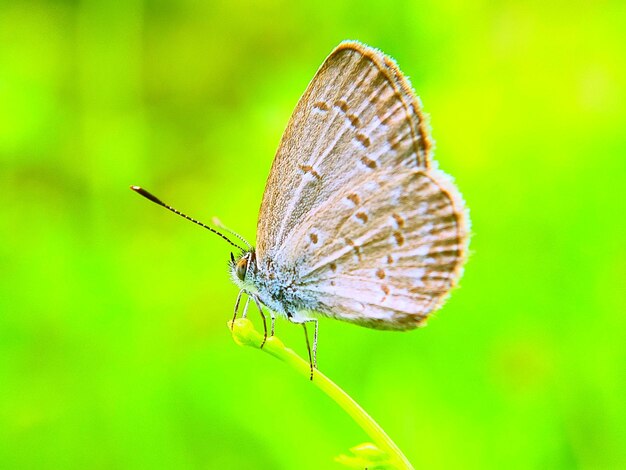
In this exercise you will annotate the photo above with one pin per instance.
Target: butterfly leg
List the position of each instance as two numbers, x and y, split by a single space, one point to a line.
308 348
314 320
232 324
312 357
245 308
258 304
273 318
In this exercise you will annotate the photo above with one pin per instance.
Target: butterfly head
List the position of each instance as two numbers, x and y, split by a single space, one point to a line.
243 268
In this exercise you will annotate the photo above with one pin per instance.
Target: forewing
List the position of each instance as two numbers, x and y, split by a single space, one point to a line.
386 252
357 116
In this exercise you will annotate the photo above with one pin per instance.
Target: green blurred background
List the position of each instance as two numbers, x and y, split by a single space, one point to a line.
114 351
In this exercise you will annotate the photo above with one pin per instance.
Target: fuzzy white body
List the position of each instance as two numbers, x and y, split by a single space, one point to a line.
276 290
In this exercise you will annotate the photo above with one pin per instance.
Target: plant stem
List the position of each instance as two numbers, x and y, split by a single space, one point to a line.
244 334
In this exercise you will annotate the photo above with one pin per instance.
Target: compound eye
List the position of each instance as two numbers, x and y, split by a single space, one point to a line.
242 268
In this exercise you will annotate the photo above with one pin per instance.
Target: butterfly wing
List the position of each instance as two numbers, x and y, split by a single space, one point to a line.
357 114
376 235
384 253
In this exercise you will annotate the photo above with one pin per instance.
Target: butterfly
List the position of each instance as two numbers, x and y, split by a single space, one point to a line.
357 223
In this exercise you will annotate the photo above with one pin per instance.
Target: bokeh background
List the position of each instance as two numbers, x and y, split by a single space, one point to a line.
114 351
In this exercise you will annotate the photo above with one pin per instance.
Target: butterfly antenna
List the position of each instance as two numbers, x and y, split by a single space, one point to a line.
219 223
156 200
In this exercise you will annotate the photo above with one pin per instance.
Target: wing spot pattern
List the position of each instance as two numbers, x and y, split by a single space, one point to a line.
321 105
398 219
362 216
354 120
363 139
354 198
309 169
385 289
313 237
380 273
368 162
399 238
342 104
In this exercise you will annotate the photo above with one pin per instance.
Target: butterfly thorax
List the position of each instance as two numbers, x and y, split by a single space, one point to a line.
276 286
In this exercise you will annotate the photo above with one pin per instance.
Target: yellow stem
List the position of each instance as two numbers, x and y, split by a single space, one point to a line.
245 334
